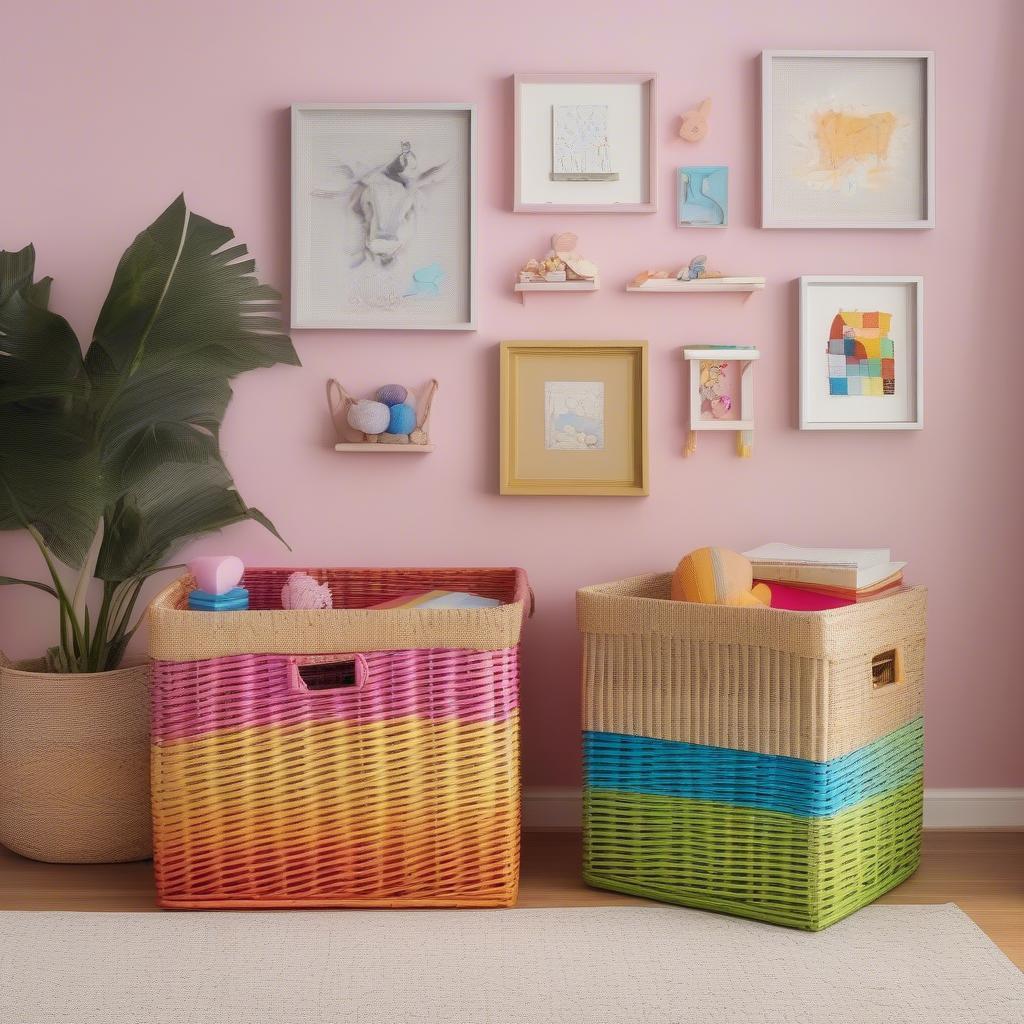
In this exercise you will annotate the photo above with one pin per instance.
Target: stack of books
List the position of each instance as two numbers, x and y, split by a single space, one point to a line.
848 574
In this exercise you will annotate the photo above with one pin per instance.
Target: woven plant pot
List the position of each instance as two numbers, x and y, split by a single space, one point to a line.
74 764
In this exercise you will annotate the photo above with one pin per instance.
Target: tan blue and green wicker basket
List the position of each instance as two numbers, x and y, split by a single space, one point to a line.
759 762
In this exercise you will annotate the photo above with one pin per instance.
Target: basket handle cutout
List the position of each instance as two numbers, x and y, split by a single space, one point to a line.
331 673
887 669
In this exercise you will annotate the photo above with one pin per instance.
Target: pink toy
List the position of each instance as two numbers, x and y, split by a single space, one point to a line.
216 574
302 591
695 122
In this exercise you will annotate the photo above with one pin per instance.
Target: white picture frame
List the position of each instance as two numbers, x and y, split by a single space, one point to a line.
822 300
629 105
881 92
346 157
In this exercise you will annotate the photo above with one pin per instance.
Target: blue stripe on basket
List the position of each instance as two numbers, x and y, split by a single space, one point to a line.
808 789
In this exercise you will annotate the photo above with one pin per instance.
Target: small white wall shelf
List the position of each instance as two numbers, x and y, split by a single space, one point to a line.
743 425
377 446
522 287
702 284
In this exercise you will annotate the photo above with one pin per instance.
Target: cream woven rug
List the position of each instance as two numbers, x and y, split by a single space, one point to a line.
895 965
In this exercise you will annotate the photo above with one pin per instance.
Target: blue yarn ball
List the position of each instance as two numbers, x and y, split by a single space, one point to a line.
392 394
403 419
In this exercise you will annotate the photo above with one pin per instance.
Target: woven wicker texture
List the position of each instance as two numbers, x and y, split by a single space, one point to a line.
802 872
74 765
176 634
400 788
796 684
637 764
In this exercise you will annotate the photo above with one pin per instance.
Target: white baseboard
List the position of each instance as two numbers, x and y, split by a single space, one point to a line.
552 807
974 808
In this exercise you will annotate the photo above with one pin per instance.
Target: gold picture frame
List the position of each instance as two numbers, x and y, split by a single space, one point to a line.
574 418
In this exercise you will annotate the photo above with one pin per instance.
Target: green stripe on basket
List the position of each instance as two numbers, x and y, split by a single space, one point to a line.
802 872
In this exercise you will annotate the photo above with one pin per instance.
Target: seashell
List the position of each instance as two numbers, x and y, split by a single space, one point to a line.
391 394
402 419
583 269
302 591
216 574
564 242
369 416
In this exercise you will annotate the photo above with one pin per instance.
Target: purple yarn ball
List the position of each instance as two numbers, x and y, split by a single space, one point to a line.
392 394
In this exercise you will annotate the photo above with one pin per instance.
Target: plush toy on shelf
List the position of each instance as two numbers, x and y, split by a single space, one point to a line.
395 416
562 264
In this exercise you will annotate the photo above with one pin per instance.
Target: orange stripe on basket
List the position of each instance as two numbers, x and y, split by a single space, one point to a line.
401 810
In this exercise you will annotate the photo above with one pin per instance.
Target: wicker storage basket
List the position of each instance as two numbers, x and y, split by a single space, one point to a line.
760 762
353 757
797 684
796 871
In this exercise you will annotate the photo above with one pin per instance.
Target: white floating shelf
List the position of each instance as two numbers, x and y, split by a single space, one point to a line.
522 287
376 446
726 352
702 284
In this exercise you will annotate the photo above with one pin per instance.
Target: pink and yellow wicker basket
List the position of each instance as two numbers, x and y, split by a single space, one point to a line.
353 757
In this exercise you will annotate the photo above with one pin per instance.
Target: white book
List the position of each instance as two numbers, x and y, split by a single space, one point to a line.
790 554
845 577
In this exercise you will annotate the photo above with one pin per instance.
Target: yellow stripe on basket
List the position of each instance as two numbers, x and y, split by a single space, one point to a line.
337 808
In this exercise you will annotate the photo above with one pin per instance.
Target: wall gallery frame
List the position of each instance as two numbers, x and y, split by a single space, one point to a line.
848 139
574 417
861 353
702 197
383 216
585 143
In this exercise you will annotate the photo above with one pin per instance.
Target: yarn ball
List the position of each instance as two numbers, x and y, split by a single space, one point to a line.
718 576
392 394
368 416
403 419
302 591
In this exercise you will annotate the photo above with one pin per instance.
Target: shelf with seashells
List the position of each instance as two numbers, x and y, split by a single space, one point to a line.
563 269
396 419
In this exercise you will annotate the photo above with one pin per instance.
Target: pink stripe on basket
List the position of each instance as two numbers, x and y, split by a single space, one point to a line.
193 698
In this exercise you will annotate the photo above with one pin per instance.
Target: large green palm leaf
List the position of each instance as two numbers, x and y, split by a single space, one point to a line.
124 445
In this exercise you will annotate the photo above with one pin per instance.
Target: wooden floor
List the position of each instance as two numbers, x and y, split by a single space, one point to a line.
982 872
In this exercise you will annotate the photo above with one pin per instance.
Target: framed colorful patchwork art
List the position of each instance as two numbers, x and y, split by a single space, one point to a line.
861 353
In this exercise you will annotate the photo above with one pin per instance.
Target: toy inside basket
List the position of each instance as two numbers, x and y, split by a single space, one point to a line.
340 757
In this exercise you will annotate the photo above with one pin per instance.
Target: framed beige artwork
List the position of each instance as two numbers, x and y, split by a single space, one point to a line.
574 417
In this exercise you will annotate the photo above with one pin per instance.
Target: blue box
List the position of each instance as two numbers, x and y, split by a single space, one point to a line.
236 600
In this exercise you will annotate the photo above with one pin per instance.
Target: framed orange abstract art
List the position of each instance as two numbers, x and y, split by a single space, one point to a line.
848 139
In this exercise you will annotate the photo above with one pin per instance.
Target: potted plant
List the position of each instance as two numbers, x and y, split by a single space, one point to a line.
111 461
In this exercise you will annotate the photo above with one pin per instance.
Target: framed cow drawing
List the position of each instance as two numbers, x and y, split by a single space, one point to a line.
383 222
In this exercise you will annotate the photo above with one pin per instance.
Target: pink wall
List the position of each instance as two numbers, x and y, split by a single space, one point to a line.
117 106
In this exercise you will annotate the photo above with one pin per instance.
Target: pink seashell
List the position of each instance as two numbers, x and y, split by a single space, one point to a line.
302 591
216 574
